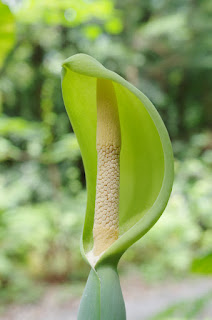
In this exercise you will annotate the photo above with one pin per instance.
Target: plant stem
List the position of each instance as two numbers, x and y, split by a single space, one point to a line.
102 298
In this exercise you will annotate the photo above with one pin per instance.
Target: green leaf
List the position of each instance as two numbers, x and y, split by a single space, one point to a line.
7 27
146 159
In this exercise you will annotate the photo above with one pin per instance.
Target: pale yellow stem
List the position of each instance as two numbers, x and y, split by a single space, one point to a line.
108 144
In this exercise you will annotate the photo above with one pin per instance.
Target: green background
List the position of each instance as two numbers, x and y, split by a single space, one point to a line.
164 48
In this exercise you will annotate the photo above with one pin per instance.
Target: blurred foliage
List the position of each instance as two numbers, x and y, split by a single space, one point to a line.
7 30
64 12
202 264
185 310
165 49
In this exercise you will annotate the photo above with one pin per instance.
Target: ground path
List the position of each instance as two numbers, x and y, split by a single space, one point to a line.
142 300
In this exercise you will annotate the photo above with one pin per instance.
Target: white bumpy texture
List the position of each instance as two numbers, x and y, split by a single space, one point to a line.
107 198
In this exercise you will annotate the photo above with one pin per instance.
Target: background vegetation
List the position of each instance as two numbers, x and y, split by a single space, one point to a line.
165 49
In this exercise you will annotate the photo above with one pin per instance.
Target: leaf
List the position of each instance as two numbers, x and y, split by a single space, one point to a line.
146 160
7 27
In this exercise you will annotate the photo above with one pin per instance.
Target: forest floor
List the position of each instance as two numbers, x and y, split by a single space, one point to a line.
143 301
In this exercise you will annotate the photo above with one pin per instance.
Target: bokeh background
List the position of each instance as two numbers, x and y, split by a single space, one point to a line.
165 49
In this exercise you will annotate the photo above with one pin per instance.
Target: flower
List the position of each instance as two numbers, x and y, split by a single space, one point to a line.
117 124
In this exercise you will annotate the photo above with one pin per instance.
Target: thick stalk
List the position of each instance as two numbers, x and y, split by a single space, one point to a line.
102 298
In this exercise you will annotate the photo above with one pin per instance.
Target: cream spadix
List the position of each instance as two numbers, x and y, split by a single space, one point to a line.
108 144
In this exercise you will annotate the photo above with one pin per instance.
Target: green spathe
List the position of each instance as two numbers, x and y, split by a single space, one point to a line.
146 163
